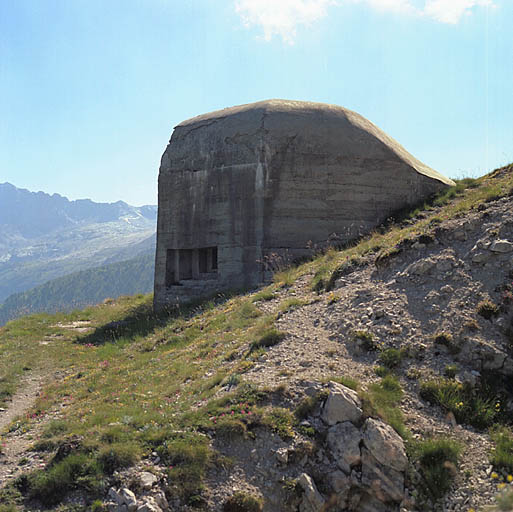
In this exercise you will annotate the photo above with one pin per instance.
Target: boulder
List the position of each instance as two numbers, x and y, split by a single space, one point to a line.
383 482
312 498
344 442
385 444
501 246
343 404
149 505
148 480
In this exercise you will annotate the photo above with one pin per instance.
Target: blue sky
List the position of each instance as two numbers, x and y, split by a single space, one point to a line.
90 89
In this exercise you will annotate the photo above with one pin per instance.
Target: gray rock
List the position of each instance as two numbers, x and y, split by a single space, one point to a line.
149 505
147 479
385 444
383 482
480 257
343 404
421 267
501 246
312 498
344 442
129 499
114 495
161 500
282 455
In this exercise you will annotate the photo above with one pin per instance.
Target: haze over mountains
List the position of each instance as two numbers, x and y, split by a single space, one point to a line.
44 237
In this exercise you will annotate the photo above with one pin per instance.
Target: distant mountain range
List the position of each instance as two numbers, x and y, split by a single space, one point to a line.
80 289
44 237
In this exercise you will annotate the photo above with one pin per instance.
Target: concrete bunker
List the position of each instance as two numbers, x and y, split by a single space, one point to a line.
241 186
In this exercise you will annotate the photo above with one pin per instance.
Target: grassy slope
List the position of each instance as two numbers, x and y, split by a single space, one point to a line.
151 381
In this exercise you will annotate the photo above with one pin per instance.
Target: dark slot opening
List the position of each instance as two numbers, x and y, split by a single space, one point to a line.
214 257
170 268
185 264
203 261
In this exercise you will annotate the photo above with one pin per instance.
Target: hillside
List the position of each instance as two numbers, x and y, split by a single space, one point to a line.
84 288
375 378
44 236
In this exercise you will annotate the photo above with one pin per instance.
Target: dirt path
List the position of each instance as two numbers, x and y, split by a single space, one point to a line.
14 444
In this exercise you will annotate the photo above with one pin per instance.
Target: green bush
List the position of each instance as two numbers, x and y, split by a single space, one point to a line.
487 309
118 455
476 407
438 459
502 455
77 471
382 400
243 502
446 339
365 340
391 357
270 338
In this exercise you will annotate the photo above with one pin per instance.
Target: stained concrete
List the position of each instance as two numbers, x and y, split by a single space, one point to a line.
273 177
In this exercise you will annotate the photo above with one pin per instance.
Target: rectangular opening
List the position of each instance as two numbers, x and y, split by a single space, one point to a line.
214 258
185 264
203 261
207 260
171 278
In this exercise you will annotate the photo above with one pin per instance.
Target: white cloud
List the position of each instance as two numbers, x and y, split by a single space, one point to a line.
451 11
282 17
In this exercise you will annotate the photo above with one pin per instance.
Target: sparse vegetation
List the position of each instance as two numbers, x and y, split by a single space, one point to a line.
243 502
502 454
437 460
382 400
391 357
270 338
480 407
446 339
365 340
487 309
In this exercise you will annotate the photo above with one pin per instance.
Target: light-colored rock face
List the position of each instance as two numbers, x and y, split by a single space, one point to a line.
239 185
342 405
385 444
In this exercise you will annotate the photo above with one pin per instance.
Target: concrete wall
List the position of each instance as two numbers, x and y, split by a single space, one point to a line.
272 177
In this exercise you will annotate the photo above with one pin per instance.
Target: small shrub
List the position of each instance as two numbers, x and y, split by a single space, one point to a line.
291 304
391 357
77 471
264 295
348 382
229 428
487 309
243 502
446 339
438 459
382 400
308 405
280 421
451 370
478 408
381 371
502 455
270 338
365 340
118 455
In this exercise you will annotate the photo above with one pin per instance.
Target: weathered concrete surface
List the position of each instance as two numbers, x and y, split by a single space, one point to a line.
270 177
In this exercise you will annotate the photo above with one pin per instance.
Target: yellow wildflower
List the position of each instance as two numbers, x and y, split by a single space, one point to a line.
509 478
494 475
501 485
